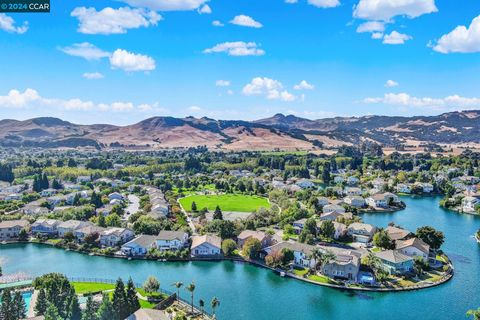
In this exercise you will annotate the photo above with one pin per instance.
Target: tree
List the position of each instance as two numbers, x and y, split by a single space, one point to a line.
90 312
327 229
41 305
194 206
131 297
6 173
251 248
431 237
74 312
382 240
119 302
1 271
191 288
326 173
20 306
178 285
325 258
474 313
113 220
217 214
23 235
96 200
105 311
201 303
215 303
51 313
151 285
228 247
7 306
91 238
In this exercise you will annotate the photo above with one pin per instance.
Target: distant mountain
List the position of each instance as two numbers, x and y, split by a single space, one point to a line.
285 132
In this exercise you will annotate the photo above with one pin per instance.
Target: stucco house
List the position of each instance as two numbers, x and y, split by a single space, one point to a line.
345 265
10 229
264 238
395 262
139 246
71 226
361 232
45 227
113 237
171 240
206 246
413 247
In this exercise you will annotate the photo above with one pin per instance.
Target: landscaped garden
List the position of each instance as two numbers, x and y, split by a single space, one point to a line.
227 202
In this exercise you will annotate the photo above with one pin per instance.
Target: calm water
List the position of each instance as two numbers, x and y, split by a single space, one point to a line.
247 292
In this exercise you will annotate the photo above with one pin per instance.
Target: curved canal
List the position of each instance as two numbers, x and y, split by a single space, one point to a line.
248 292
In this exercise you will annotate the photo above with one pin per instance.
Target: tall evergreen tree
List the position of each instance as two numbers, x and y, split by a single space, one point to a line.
74 312
6 173
96 200
119 302
90 312
20 306
7 308
51 313
131 296
41 305
105 311
217 215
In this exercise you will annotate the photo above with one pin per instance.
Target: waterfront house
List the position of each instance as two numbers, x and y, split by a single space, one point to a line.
413 247
403 188
71 226
264 238
395 262
114 237
470 203
378 184
171 240
139 246
206 246
355 201
396 233
81 233
361 232
377 201
10 229
45 227
301 252
345 265
333 208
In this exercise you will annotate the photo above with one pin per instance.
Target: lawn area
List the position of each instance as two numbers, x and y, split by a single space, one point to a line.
87 287
227 202
320 278
146 305
300 272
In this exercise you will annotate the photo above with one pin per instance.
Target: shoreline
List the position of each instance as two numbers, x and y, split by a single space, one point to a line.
443 280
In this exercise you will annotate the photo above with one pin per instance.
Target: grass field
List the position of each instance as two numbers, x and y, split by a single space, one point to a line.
227 202
86 287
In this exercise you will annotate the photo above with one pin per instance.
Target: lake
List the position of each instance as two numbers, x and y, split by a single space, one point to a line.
248 292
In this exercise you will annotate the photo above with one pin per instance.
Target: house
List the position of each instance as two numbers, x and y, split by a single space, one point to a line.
338 179
322 201
115 196
353 191
345 265
413 247
361 232
333 216
83 179
71 226
305 184
298 225
301 252
355 201
206 246
45 227
470 203
404 188
425 187
13 197
377 201
34 208
378 184
396 233
395 262
10 229
81 233
333 208
340 228
48 192
352 180
264 238
160 207
113 237
139 246
171 240
149 314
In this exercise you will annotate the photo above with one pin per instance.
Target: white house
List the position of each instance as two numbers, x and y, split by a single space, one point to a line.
361 232
112 237
353 191
413 247
48 192
139 246
470 203
403 188
71 226
355 201
377 201
45 226
171 240
206 245
10 229
333 208
81 179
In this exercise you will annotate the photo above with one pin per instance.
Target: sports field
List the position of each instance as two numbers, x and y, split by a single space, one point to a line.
227 202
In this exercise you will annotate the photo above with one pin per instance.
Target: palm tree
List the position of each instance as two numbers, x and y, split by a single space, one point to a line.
178 285
191 288
215 303
316 255
474 313
325 257
201 303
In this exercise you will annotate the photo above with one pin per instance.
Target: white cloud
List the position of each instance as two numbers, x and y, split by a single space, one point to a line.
93 75
8 24
386 9
396 38
85 50
324 3
461 39
238 48
205 9
167 5
246 21
222 83
217 23
371 26
194 109
377 35
291 1
391 84
453 102
304 85
111 21
30 98
128 61
270 88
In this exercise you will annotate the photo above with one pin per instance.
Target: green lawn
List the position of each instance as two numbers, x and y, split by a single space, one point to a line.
146 305
320 278
87 287
300 272
227 202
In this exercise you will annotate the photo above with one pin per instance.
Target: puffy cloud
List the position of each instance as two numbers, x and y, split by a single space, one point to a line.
238 48
403 99
217 23
270 88
246 21
461 39
205 9
167 5
386 9
93 75
85 50
128 61
391 84
324 3
377 35
304 85
8 24
194 109
396 38
30 98
222 83
111 21
371 26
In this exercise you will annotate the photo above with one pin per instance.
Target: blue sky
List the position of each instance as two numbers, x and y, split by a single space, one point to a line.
122 61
